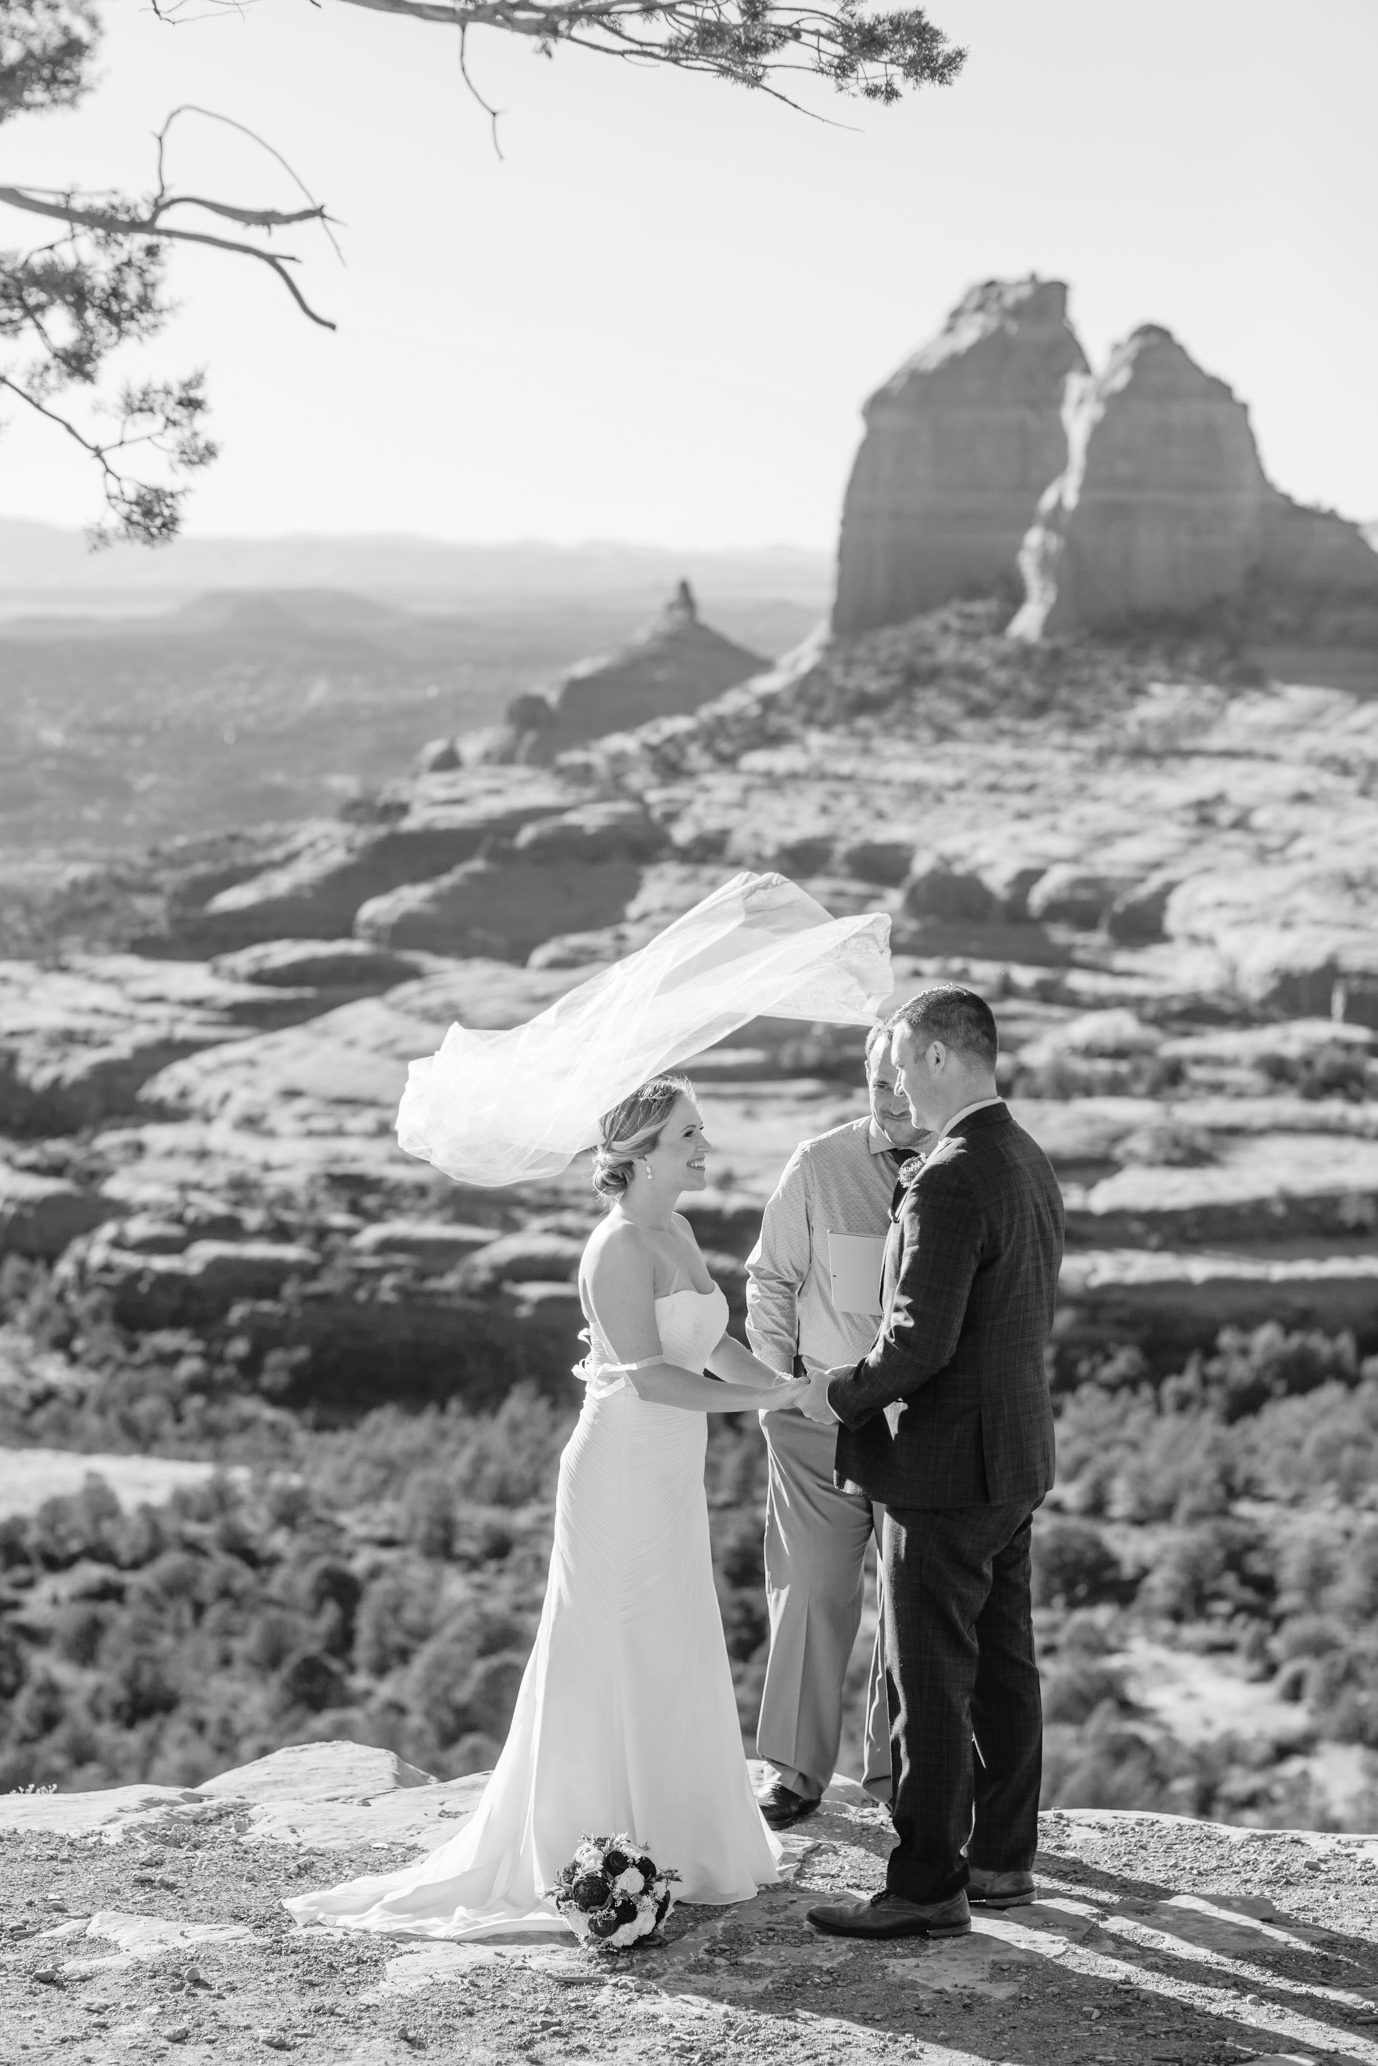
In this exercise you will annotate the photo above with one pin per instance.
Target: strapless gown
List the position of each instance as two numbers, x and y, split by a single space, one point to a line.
626 1718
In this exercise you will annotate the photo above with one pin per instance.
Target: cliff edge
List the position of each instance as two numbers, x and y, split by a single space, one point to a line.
145 1919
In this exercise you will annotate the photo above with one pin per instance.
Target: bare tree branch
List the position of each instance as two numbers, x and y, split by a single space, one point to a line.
115 222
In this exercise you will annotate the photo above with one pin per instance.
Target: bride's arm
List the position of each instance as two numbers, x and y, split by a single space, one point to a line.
733 1361
620 1283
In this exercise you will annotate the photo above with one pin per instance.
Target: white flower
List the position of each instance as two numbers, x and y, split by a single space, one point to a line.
629 1932
589 1857
629 1882
577 1921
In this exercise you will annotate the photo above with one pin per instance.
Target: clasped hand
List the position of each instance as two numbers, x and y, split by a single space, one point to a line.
815 1400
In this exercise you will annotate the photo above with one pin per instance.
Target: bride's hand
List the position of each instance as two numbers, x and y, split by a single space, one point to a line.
788 1392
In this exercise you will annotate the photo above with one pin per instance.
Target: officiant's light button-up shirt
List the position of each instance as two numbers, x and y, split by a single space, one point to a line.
839 1184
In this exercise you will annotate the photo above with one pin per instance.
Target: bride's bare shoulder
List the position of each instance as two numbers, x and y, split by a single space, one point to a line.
618 1253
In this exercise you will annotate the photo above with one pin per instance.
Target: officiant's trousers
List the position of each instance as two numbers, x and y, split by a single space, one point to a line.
959 1654
816 1544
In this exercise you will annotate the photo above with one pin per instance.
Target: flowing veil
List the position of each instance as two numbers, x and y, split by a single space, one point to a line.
498 1107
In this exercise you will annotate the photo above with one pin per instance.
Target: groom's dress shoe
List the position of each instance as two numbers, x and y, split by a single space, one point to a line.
889 1915
1000 1889
782 1807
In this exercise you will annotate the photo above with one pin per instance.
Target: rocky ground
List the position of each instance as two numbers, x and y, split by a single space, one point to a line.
145 1923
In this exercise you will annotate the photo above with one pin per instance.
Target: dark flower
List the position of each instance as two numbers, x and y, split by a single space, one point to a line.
604 1924
615 1862
626 1911
646 1867
662 1907
590 1892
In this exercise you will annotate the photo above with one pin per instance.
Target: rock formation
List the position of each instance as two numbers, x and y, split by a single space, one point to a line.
1164 509
679 663
959 445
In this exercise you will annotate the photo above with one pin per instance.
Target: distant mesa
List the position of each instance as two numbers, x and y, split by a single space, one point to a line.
996 461
289 610
677 664
959 445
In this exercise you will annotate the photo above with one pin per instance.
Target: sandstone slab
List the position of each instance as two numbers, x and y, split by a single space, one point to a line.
503 906
42 1215
316 894
78 1043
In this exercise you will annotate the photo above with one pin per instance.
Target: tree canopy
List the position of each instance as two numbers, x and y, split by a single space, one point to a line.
99 278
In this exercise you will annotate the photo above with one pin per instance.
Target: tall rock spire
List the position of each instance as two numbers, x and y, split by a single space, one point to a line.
959 445
1163 507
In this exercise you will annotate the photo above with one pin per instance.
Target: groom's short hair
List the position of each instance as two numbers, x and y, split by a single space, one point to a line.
959 1018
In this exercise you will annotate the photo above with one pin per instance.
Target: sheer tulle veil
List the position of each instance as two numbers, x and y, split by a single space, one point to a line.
498 1107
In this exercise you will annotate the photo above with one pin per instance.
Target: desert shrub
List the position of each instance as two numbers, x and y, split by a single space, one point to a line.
430 1514
1309 1635
1336 1069
737 1463
745 1623
274 1635
740 1552
40 1706
1087 1633
1073 1564
311 1680
136 1683
77 1632
489 1694
329 1584
1107 1764
1249 1370
1324 1442
396 1615
1169 1143
14 1663
1217 1566
139 1537
1073 1692
1096 1432
513 1455
75 1525
1308 1564
1179 1465
1354 1592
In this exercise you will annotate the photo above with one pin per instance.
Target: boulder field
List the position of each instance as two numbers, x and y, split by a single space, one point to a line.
147 1917
1164 878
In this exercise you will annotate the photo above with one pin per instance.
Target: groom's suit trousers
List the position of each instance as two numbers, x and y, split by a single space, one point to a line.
816 1544
960 1663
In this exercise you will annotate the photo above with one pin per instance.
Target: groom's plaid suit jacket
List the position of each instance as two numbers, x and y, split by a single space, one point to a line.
950 1405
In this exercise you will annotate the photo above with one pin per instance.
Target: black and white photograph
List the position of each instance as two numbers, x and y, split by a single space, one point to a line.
688 1032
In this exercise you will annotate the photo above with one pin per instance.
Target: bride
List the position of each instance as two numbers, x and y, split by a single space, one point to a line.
626 1718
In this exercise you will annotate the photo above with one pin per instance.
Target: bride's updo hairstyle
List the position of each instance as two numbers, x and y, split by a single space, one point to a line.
633 1128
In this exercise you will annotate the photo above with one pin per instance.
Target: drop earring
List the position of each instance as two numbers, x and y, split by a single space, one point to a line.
650 1173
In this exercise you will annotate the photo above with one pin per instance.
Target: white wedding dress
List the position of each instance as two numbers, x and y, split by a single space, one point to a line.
626 1719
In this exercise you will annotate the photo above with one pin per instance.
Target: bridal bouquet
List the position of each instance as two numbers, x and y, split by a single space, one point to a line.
611 1892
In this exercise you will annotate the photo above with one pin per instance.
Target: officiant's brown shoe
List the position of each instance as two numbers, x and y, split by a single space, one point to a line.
889 1915
782 1807
1000 1889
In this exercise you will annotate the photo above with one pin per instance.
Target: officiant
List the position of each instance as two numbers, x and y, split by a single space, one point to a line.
813 1301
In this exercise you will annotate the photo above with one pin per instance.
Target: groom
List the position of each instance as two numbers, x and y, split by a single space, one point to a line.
947 1423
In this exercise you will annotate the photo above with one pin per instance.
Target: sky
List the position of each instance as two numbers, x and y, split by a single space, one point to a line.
656 316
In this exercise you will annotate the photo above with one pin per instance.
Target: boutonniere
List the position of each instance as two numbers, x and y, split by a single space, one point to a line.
910 1169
